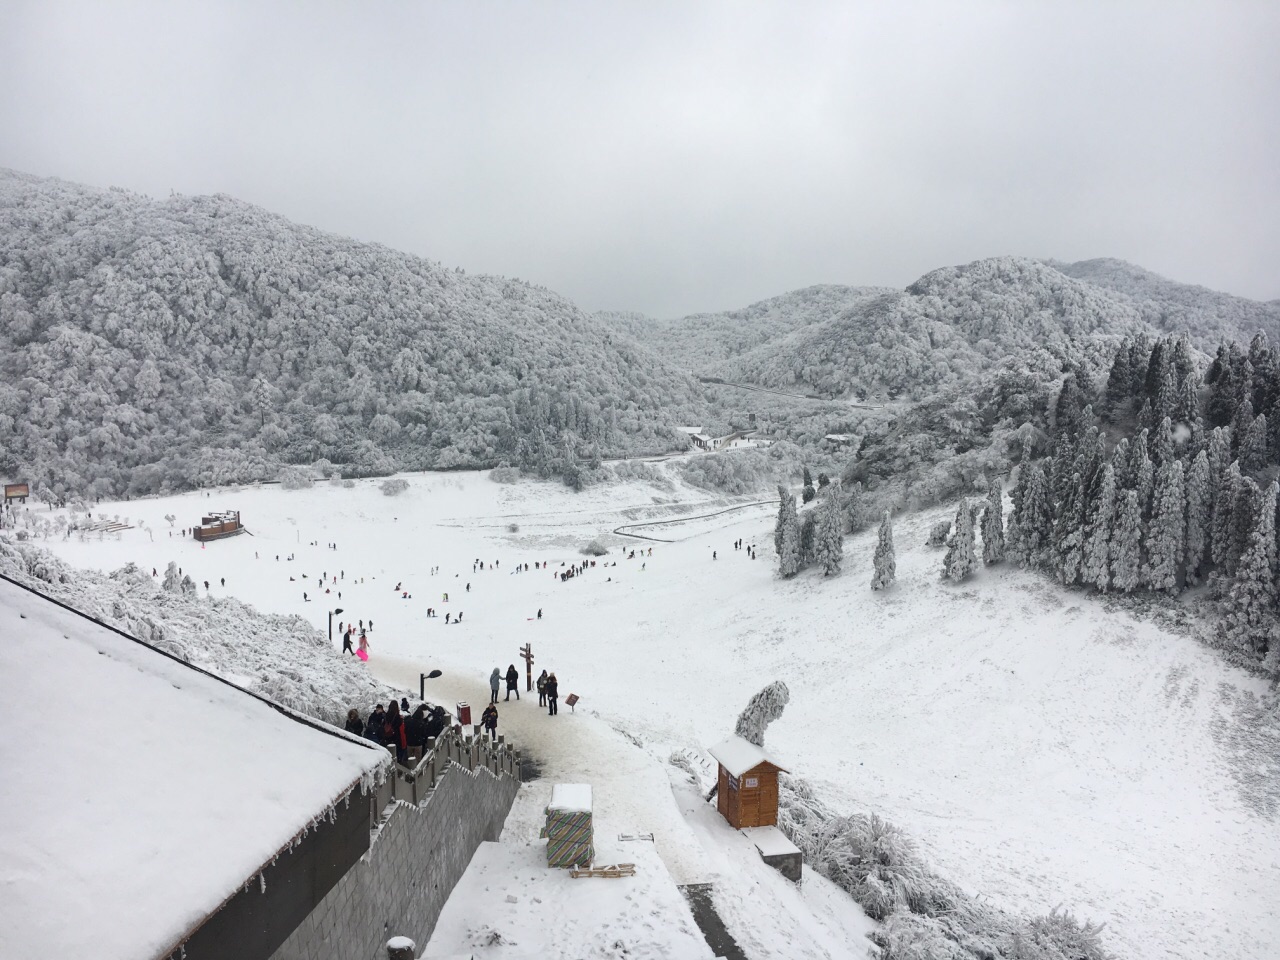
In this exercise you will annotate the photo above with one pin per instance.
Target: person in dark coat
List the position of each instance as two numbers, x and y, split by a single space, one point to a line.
394 733
489 720
373 728
346 644
354 723
435 723
513 682
553 693
416 727
541 684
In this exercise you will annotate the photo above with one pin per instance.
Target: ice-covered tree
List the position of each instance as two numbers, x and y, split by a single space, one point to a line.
1166 535
993 525
1223 509
1240 424
884 563
960 558
1253 449
1244 511
172 579
1029 528
808 492
1162 452
1126 544
829 547
762 709
808 539
1198 517
1096 569
786 535
1250 618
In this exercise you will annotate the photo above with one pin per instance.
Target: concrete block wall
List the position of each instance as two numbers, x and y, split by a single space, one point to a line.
401 885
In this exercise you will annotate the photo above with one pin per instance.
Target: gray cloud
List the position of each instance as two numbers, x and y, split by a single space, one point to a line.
678 157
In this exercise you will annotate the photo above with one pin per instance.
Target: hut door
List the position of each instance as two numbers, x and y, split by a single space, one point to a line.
749 807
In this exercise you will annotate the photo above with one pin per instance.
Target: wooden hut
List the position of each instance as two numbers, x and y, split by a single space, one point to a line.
218 525
748 783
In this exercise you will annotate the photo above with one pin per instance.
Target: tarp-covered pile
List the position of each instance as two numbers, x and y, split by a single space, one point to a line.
568 830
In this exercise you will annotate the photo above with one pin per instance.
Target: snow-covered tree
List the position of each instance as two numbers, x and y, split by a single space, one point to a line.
1028 534
885 567
808 491
1244 513
829 537
1166 535
993 525
761 710
808 539
1096 569
172 579
1253 449
1250 619
1223 510
1198 517
1126 544
960 558
786 535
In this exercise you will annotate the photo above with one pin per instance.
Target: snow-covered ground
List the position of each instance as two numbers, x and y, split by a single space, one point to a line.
1047 748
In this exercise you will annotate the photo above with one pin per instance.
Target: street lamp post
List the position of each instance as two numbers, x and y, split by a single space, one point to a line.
331 613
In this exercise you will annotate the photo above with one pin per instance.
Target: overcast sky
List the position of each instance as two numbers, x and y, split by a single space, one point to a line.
670 158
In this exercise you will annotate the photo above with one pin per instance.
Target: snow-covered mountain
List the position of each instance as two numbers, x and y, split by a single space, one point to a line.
151 344
949 326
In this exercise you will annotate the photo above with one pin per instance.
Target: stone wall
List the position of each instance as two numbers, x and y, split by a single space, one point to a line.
401 885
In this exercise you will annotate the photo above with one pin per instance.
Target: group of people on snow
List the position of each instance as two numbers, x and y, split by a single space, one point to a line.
389 726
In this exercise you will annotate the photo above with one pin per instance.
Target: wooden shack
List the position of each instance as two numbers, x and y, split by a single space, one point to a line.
747 795
219 525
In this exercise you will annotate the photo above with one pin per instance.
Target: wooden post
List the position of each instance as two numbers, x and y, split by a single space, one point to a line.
526 652
401 948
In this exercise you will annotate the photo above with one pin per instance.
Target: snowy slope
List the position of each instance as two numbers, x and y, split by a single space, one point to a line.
1047 748
138 794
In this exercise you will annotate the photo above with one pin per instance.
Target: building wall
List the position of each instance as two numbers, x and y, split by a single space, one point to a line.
400 886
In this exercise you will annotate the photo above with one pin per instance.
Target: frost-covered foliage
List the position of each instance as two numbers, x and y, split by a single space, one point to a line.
284 658
296 478
595 549
939 533
641 471
394 486
786 534
504 474
762 709
924 917
745 470
960 558
884 563
155 345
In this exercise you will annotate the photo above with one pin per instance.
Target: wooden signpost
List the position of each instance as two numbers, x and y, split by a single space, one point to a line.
526 652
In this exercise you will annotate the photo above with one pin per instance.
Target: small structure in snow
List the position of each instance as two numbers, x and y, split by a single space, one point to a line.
16 491
219 525
777 851
569 832
747 793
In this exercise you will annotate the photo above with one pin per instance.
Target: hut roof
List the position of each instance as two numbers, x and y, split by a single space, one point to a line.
738 756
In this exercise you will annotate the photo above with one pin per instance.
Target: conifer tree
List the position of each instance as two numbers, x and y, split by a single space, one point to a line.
1067 543
1244 513
1162 452
1253 449
1183 363
1117 394
1166 402
1098 531
1187 408
1240 424
1223 509
1155 372
1144 482
1198 517
885 566
1167 534
786 535
1029 531
1126 544
993 525
829 550
1250 609
808 492
960 558
172 579
808 539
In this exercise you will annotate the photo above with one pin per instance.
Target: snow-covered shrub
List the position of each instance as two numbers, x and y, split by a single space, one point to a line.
513 528
595 549
504 474
394 486
938 534
765 707
644 472
295 478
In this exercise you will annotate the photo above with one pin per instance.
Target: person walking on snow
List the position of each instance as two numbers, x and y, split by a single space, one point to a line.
346 643
489 720
364 647
541 684
553 694
513 682
495 681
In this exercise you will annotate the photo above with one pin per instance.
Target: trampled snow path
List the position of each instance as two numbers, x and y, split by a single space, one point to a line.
1046 747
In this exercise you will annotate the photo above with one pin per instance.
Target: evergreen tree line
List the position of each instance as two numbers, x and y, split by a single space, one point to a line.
1184 496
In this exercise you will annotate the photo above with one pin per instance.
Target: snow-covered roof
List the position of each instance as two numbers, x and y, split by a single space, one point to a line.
689 430
571 797
738 755
138 794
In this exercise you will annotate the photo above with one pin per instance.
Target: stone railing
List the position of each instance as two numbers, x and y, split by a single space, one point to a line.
469 749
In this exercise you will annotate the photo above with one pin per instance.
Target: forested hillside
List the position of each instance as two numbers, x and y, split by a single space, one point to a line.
149 345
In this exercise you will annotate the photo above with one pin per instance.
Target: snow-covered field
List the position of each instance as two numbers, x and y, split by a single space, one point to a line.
1047 748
